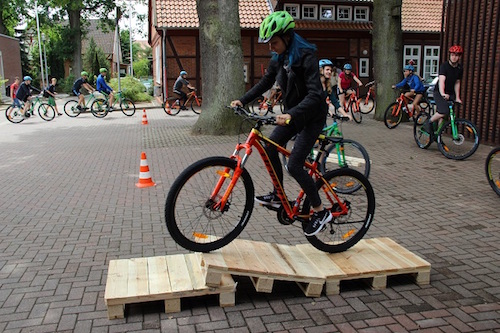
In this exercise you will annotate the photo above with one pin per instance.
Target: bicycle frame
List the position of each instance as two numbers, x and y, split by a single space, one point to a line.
256 139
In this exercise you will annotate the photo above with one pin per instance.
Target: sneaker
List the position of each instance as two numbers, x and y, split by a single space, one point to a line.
79 107
318 220
270 200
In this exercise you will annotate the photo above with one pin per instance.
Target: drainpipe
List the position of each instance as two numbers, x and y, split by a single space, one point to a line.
164 63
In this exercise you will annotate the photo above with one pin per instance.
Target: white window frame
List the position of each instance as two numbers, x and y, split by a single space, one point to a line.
431 63
364 67
332 8
407 58
315 10
287 6
349 18
367 12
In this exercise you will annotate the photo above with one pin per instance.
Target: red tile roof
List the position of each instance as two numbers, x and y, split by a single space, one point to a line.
181 14
421 15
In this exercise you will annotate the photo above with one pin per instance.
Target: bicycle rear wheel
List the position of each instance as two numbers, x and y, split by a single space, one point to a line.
127 107
99 108
192 212
71 110
46 111
346 154
349 227
422 138
356 114
173 108
196 105
492 167
366 105
393 115
258 106
464 145
13 114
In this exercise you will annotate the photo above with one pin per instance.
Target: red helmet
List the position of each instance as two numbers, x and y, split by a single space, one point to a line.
456 49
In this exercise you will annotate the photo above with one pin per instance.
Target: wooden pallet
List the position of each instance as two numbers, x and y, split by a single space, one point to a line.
165 278
263 263
371 259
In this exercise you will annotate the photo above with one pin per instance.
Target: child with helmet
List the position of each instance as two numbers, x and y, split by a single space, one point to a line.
77 85
326 71
415 84
178 85
104 88
447 88
345 88
295 67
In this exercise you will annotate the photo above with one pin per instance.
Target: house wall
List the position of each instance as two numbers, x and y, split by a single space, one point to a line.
475 25
11 60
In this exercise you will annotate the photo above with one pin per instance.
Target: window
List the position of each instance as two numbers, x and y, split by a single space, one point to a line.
364 67
309 12
327 12
292 9
412 52
361 14
344 13
431 62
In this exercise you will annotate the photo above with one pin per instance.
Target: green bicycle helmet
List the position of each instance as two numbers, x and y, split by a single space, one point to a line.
84 73
275 24
103 70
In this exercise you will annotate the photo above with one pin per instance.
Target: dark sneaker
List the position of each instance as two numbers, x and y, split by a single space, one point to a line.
318 220
270 200
79 107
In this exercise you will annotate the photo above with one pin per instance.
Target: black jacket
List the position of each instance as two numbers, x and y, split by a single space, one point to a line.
303 95
24 91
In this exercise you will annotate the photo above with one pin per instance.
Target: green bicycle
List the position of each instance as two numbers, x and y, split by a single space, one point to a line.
100 105
15 115
456 138
340 153
71 107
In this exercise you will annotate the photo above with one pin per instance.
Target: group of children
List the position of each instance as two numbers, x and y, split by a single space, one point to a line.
22 91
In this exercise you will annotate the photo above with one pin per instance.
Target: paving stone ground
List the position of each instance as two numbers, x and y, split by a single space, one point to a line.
69 205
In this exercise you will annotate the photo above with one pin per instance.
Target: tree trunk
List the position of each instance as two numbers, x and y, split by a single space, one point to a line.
75 26
221 66
387 51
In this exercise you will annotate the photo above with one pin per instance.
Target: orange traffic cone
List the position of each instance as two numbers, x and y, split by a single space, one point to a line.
144 176
167 108
144 118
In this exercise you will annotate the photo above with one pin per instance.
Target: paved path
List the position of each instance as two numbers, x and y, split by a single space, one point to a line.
68 205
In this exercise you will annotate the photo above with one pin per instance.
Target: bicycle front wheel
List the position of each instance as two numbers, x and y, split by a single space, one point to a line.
196 105
99 108
14 114
356 115
71 110
346 154
422 138
353 211
193 214
46 111
393 115
492 166
258 106
366 105
463 145
127 107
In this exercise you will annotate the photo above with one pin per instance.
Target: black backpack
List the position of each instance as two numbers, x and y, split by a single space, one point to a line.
7 91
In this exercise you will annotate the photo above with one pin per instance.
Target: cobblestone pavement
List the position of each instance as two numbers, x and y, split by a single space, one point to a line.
69 205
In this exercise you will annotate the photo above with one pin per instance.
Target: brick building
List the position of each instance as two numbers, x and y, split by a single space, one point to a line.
10 60
341 30
475 25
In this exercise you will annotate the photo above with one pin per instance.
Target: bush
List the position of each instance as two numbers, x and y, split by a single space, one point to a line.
65 85
132 88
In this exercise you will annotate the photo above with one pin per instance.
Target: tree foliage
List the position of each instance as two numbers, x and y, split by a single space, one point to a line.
94 60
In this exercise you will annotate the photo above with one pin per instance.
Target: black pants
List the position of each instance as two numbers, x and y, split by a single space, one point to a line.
182 97
302 147
441 103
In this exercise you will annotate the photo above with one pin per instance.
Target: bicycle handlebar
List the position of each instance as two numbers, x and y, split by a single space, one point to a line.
342 118
249 115
369 84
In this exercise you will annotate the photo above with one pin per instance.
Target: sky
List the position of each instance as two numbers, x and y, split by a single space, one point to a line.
137 32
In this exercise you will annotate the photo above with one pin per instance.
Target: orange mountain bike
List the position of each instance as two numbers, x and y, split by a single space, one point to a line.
193 100
352 105
210 202
367 101
394 112
262 105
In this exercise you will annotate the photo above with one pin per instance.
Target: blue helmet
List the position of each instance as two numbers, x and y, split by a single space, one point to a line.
183 73
325 62
347 66
409 68
27 78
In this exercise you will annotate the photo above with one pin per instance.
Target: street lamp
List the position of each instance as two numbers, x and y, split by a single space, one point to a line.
39 42
130 39
45 56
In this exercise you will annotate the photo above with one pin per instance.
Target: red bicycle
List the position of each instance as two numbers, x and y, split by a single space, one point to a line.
352 105
394 112
367 101
193 100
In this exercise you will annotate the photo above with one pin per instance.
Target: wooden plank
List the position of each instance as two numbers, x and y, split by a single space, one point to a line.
262 284
404 253
179 274
116 285
159 280
323 261
304 269
193 263
138 277
250 259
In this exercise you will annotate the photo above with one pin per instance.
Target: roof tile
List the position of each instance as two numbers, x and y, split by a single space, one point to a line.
421 15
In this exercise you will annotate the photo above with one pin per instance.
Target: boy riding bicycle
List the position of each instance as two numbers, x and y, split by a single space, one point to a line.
104 89
416 87
77 85
178 85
